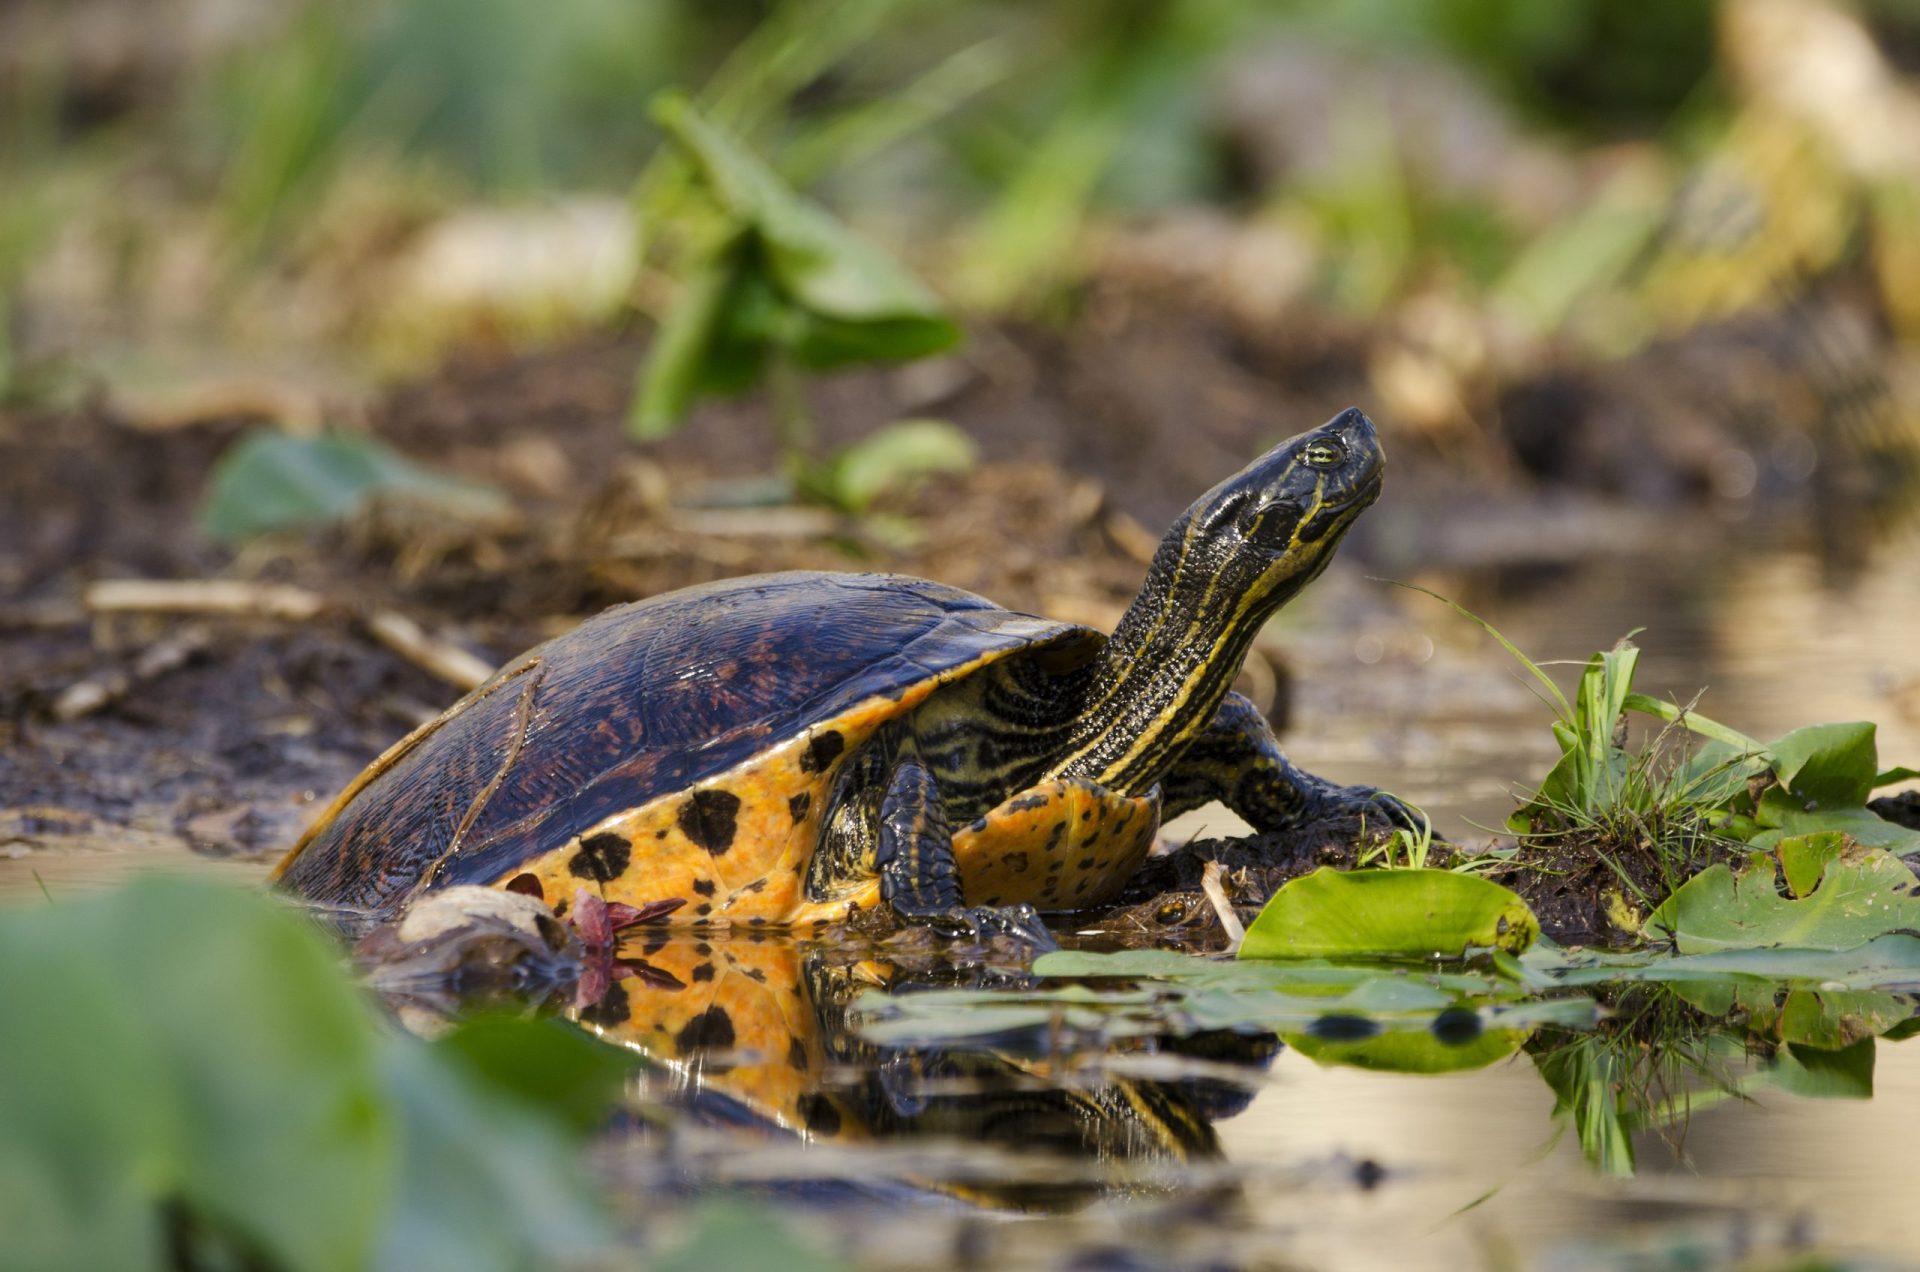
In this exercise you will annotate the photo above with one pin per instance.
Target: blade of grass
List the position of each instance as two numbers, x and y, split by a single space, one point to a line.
1559 700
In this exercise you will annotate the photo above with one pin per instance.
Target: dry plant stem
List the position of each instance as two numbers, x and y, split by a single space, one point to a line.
234 597
95 693
237 598
1217 897
432 654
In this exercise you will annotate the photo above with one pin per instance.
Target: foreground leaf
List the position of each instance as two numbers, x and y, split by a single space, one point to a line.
1389 913
192 1079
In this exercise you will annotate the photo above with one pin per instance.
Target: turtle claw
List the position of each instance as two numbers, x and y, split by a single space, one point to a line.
1019 925
1373 806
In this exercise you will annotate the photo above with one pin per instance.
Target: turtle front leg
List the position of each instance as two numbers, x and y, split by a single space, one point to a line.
1237 761
917 874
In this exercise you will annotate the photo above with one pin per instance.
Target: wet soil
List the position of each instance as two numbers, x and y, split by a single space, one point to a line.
217 733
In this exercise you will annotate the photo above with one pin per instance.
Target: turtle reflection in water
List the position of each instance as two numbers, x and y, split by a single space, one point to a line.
785 750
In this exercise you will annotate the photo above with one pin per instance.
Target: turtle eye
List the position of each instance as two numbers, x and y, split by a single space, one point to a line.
1324 452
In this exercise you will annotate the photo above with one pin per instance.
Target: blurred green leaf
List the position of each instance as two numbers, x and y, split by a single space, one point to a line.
272 481
1387 913
560 1071
731 1234
787 281
891 458
176 1045
191 1077
485 1183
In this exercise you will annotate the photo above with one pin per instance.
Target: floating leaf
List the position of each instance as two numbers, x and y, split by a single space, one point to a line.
1389 913
1884 963
272 481
1863 894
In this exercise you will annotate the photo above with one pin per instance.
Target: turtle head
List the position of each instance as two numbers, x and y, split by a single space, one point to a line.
1257 538
1238 554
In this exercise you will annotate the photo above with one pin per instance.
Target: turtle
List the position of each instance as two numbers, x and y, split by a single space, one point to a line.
786 750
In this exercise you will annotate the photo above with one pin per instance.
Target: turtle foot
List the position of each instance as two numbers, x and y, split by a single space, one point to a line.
1015 926
1375 807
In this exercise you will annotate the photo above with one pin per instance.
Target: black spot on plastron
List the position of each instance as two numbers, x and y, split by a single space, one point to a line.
1079 887
600 857
821 751
758 885
755 974
1015 861
703 949
1053 840
705 907
977 825
527 885
758 920
1085 863
707 818
799 805
560 909
655 944
703 886
1087 815
818 1113
1027 803
797 1054
711 1029
660 833
704 972
612 1009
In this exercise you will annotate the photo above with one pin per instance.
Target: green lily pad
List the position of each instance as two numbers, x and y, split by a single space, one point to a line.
1389 913
1805 858
1863 894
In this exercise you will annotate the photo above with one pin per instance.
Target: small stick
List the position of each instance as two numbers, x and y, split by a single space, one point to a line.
237 598
95 693
1217 895
432 654
204 596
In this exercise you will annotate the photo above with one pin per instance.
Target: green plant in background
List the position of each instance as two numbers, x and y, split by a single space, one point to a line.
270 481
777 288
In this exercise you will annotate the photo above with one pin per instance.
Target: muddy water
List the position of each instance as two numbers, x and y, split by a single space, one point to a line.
1393 689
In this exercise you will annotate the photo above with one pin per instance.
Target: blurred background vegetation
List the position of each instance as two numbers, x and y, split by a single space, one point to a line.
1473 194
